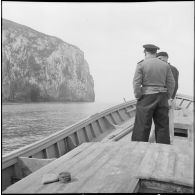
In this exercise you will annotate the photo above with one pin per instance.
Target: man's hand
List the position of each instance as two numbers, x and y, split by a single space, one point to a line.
170 103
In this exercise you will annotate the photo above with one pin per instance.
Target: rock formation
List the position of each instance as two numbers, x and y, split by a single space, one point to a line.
39 67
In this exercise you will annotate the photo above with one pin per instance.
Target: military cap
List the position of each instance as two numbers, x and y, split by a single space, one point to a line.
162 53
150 47
140 61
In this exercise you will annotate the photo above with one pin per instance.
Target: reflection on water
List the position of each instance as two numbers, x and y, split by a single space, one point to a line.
23 124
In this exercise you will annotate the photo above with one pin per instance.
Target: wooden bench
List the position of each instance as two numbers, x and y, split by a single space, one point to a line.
120 132
25 166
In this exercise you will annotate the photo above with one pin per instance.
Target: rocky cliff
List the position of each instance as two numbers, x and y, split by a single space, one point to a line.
39 67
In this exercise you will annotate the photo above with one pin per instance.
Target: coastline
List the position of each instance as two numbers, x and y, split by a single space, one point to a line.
28 102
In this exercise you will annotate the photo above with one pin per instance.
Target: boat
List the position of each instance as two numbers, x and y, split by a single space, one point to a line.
107 129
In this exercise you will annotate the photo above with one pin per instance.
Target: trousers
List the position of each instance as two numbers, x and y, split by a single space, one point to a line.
152 106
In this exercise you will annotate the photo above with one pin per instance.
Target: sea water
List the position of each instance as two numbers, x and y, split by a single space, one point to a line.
26 123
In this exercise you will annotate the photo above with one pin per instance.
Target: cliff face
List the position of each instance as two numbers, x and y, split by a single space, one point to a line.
38 67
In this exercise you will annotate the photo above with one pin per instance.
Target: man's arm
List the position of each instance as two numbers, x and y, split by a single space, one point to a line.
137 81
175 75
176 82
170 82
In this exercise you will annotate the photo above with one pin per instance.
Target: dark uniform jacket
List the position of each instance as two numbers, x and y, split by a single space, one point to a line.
153 76
175 73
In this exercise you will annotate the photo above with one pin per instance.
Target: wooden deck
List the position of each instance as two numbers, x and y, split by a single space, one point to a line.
112 167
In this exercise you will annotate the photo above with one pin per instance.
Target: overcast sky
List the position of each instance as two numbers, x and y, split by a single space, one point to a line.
112 35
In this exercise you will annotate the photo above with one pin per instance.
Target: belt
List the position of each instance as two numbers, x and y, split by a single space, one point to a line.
153 89
153 86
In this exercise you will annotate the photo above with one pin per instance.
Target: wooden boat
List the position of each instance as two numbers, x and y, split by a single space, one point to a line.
113 125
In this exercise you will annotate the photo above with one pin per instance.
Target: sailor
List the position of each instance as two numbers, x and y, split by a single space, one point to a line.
164 57
153 85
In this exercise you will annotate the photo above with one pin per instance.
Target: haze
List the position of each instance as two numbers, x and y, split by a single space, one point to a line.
112 35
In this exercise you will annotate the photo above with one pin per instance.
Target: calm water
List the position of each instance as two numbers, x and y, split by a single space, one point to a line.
23 124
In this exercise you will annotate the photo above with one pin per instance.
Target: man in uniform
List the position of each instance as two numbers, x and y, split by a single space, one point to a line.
172 104
153 85
164 57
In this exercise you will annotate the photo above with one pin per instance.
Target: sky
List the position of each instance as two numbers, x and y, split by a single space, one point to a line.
112 36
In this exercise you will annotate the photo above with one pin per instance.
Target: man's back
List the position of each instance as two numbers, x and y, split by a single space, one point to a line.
154 72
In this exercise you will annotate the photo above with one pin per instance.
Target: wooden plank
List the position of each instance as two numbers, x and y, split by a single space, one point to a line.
95 129
58 149
75 138
148 164
120 116
116 118
162 162
30 165
188 104
126 139
51 152
181 102
123 133
171 124
108 123
125 129
9 163
61 147
60 166
151 186
99 126
130 109
102 125
91 166
35 178
184 170
185 104
46 152
191 134
71 141
172 158
38 155
118 174
81 136
7 175
184 147
89 132
123 114
74 165
86 135
108 172
126 126
78 167
162 166
102 136
110 120
191 106
90 171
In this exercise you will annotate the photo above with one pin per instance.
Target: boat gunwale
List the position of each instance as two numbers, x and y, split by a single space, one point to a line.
185 97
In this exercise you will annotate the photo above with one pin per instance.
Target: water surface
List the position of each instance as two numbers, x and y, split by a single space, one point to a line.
26 123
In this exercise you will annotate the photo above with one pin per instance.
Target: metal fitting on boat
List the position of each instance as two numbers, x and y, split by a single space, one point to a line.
64 177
